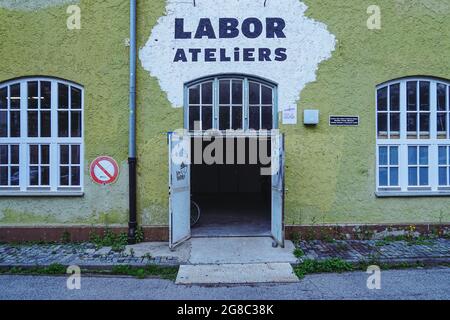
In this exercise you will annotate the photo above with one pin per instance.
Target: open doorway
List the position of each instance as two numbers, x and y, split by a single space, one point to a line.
235 199
234 196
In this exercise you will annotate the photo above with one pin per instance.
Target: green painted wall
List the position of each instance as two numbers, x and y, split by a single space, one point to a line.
330 171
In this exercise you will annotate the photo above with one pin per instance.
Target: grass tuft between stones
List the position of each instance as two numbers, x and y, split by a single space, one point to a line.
150 271
337 265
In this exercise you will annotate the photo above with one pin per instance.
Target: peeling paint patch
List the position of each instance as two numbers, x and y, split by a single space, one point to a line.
32 5
307 43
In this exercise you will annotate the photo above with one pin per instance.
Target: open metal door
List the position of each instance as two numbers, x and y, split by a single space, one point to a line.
179 188
278 189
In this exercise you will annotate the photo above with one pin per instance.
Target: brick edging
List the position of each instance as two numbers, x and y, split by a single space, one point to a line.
359 231
10 234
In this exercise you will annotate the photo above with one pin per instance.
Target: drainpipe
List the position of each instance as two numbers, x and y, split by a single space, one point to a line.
132 160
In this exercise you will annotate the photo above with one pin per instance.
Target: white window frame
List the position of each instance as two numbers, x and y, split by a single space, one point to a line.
246 116
446 166
403 142
54 188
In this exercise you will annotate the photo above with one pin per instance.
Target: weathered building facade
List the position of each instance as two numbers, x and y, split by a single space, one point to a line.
378 76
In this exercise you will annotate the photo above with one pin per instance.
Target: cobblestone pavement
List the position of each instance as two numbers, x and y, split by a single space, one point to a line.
359 250
85 254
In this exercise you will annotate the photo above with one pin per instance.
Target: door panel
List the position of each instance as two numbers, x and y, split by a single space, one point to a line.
179 189
278 189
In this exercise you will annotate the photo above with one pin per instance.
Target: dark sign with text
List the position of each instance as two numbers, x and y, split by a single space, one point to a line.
344 121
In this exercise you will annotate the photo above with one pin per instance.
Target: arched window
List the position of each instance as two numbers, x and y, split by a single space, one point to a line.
234 102
41 136
413 136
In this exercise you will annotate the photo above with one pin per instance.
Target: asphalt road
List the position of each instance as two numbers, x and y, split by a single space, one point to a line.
395 284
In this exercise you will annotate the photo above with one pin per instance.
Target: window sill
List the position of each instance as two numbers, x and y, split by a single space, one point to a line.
16 194
411 194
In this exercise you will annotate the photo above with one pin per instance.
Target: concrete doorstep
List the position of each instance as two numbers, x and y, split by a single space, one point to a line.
236 274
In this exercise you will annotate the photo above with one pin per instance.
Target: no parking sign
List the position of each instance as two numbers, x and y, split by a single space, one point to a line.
104 170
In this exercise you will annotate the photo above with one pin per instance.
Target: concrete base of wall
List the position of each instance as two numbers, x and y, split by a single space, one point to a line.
10 234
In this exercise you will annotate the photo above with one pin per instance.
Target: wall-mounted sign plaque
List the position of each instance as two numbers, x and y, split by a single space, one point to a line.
344 121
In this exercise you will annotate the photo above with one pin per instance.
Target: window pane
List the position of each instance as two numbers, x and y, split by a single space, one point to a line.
442 155
254 118
382 122
423 176
423 155
14 124
411 88
3 176
383 155
443 176
267 118
46 95
32 124
14 154
237 92
207 93
15 176
75 176
441 122
4 154
45 154
75 98
254 93
194 95
237 118
33 95
15 96
45 176
75 154
63 124
224 118
425 122
393 176
412 155
64 154
382 99
75 123
424 95
441 98
266 95
34 154
395 97
393 156
395 122
224 92
45 124
412 176
63 96
383 177
34 176
412 122
194 116
4 98
64 176
207 118
3 123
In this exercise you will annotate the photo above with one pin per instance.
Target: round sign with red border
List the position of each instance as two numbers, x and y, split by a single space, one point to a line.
104 170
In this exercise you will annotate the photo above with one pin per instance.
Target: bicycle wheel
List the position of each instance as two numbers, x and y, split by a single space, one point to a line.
195 213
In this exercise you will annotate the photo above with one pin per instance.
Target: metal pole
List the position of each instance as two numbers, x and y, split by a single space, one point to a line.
132 159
